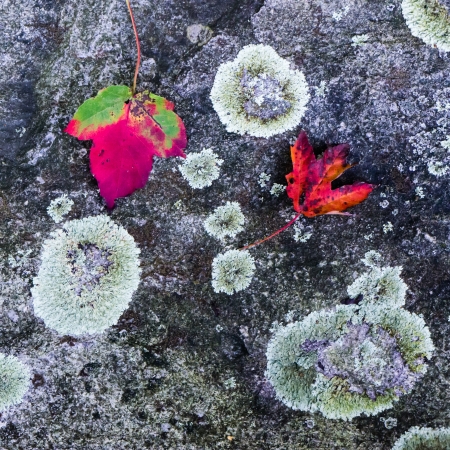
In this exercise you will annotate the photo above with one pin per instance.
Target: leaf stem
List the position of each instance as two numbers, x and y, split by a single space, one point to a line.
138 45
285 227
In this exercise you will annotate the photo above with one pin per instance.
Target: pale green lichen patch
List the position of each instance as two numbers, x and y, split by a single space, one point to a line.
380 285
277 189
428 20
226 220
88 274
258 93
201 169
417 438
302 233
437 168
353 359
232 271
359 40
14 381
59 207
291 370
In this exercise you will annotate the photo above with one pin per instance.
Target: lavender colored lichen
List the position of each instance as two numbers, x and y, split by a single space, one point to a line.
90 263
368 358
265 96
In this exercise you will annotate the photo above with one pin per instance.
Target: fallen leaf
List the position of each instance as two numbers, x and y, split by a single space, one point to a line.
127 132
309 183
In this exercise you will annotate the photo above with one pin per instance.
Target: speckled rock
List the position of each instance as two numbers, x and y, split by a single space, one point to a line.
160 378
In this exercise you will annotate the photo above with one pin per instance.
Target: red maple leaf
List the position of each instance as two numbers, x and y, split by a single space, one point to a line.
127 132
309 183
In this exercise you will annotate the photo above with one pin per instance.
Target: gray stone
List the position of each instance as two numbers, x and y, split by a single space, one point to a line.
143 383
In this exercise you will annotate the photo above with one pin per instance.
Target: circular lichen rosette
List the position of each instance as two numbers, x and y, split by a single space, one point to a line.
348 361
417 438
428 20
59 207
201 169
232 271
88 274
258 93
225 221
14 381
379 285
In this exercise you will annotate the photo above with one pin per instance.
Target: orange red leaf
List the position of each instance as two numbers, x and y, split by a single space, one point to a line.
309 183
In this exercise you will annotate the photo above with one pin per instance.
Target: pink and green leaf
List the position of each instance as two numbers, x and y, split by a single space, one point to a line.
127 132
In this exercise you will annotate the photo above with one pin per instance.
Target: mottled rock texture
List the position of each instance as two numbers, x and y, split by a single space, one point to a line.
160 378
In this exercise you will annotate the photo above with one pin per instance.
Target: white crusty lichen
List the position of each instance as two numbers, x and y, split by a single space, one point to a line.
348 361
225 221
263 179
339 14
359 40
59 207
88 274
389 422
301 233
258 93
380 285
446 143
230 383
201 169
277 189
321 89
437 168
420 192
14 381
232 271
428 20
387 227
417 438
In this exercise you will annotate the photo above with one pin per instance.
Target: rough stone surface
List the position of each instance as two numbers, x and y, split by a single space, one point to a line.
159 379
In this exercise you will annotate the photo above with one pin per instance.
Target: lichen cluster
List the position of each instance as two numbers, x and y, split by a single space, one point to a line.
258 93
14 381
59 207
380 285
201 169
226 220
417 438
428 20
232 271
88 274
352 359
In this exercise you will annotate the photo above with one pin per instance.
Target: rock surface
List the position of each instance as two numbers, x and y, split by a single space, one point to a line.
184 366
